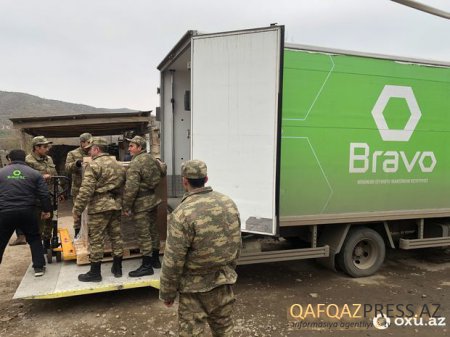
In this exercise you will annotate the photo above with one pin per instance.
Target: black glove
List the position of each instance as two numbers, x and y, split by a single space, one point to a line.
78 163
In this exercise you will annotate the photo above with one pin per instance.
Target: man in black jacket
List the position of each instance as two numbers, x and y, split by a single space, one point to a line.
20 186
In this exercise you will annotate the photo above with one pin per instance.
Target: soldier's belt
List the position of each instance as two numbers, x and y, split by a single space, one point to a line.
111 193
145 193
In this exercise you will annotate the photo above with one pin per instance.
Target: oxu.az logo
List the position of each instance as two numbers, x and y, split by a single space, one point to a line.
362 160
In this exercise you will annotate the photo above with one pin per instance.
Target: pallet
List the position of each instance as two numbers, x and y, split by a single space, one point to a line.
128 253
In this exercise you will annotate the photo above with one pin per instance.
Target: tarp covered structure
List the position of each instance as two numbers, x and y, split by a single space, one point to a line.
73 125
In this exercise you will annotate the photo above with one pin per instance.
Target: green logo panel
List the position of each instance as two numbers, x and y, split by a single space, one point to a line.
363 135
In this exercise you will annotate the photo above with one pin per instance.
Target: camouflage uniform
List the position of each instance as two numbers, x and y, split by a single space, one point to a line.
76 171
202 247
139 198
43 165
100 191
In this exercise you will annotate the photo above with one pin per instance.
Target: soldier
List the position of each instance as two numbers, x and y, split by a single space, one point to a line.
74 163
100 190
140 200
43 163
202 246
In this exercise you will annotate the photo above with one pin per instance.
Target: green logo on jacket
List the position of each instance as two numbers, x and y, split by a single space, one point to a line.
16 174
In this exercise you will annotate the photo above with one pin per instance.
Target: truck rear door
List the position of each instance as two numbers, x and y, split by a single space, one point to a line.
235 95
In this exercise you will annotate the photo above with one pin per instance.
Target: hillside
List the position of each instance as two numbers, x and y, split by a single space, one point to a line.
16 104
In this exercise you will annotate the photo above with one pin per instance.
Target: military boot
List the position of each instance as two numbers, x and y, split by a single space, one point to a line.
155 259
116 268
144 269
92 275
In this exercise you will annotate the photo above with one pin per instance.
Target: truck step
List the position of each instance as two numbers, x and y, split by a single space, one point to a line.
284 255
424 243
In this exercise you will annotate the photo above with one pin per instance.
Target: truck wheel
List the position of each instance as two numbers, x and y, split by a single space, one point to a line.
362 253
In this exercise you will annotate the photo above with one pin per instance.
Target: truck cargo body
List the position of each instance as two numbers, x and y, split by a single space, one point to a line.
363 139
304 138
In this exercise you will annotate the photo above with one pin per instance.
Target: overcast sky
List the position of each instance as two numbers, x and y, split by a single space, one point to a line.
105 52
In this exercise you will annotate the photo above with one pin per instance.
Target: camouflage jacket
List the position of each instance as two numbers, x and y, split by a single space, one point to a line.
44 165
101 186
202 246
73 170
143 175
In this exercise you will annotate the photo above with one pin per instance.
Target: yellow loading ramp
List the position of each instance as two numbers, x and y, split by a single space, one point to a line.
61 280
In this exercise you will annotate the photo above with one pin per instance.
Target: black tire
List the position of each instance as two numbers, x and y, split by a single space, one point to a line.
362 253
49 256
58 257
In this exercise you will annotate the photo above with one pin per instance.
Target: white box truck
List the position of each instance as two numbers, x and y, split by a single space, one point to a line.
343 150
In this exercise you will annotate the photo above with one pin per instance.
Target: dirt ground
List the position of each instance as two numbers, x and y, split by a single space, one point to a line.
265 294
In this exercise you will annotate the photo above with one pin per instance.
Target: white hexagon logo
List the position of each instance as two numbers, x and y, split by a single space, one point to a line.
396 135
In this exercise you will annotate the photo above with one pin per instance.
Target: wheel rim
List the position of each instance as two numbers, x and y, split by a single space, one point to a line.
365 254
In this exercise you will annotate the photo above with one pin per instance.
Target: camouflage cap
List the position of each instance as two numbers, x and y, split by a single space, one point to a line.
139 141
84 137
96 141
194 169
40 140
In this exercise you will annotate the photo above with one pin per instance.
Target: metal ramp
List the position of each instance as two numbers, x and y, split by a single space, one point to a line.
61 280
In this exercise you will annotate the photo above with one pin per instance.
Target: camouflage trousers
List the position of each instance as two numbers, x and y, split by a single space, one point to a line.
77 223
147 231
100 224
213 307
45 225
